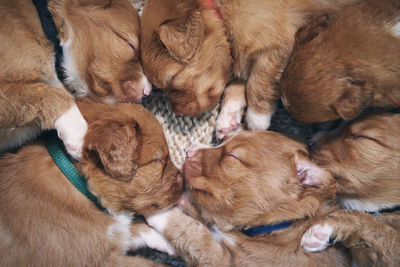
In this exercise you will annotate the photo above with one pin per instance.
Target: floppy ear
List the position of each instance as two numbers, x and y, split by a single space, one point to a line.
114 144
183 36
352 102
307 33
309 173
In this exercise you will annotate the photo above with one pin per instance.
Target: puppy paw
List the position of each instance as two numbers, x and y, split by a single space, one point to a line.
71 128
229 119
153 239
159 220
257 121
317 238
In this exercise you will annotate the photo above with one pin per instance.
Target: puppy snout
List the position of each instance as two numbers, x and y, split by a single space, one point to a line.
136 90
190 153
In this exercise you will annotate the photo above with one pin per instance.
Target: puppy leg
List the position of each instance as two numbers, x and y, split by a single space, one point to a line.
145 236
232 108
40 105
192 240
261 91
371 241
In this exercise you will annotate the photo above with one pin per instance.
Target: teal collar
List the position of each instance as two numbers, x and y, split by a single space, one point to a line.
56 150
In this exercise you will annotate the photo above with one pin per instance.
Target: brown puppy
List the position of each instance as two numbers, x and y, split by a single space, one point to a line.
365 159
192 48
255 178
342 65
99 40
46 221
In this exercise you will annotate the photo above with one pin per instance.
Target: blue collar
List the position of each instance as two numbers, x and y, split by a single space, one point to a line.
266 229
51 33
56 150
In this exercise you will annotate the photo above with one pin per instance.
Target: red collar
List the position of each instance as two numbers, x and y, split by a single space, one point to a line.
211 5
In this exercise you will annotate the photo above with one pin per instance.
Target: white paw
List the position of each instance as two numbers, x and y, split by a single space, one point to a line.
229 119
71 128
257 121
153 239
316 238
159 220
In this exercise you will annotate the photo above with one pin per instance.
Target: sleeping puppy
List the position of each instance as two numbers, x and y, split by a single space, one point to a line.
342 65
254 183
46 221
365 159
99 42
192 48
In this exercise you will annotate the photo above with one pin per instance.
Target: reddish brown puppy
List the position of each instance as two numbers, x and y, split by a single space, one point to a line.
343 64
365 159
254 179
99 42
46 221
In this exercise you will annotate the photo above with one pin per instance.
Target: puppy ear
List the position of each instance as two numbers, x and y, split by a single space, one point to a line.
352 102
309 173
307 33
183 36
114 145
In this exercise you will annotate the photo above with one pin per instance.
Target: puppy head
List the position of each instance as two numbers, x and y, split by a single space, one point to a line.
101 50
255 178
318 83
364 158
185 53
126 159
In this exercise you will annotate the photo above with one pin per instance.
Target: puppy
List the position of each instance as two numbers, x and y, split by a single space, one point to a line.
253 179
192 48
342 64
46 221
365 159
99 43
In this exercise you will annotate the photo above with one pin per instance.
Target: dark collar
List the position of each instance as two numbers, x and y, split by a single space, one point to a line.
57 152
397 208
51 32
266 229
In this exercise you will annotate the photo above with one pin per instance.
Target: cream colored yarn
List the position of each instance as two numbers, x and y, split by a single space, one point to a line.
182 133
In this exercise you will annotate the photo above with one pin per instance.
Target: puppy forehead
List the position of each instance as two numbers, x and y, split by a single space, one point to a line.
262 141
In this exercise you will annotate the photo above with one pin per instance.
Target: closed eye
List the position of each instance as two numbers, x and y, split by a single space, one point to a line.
133 49
365 137
233 156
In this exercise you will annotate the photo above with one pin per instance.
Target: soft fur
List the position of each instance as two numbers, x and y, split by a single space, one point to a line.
254 178
191 52
46 221
342 64
100 46
365 159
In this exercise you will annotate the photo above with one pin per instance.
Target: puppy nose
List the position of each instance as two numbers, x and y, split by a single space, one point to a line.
190 153
147 87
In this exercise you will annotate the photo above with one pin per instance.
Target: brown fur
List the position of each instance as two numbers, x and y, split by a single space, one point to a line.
46 221
372 240
106 67
191 53
341 65
365 159
254 178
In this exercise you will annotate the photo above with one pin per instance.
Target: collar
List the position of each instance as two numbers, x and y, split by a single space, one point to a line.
266 229
51 33
57 152
211 5
389 210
